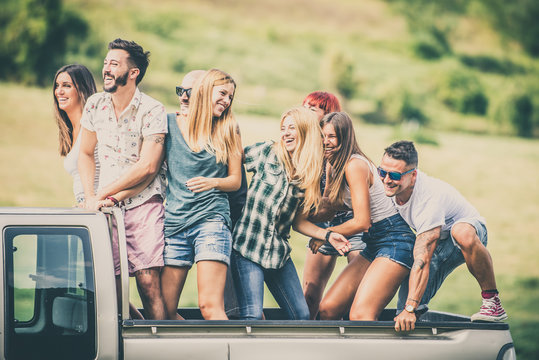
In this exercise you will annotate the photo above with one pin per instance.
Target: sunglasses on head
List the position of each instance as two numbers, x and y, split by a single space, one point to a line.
180 91
393 175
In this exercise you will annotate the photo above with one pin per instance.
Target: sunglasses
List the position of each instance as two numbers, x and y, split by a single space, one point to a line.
393 175
180 91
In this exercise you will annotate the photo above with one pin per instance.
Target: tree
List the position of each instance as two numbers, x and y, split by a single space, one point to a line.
33 38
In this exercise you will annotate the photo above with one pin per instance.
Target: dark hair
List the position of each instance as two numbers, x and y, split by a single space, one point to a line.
85 85
344 130
137 56
403 150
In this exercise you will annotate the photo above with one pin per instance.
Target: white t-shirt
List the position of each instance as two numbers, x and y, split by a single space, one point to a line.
435 203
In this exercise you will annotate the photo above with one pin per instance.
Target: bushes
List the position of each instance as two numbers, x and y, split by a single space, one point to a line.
431 44
400 106
463 92
490 64
515 109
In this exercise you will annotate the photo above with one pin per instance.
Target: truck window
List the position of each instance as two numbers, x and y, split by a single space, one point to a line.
50 298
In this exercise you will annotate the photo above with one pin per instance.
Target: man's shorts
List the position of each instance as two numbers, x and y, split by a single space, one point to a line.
209 239
144 231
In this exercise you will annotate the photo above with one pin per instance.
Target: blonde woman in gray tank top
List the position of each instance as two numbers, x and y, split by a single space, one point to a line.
370 280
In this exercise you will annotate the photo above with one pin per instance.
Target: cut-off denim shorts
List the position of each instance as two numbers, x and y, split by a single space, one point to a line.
356 241
209 239
391 238
446 258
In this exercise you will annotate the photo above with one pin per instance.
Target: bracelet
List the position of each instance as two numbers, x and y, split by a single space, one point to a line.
328 234
113 199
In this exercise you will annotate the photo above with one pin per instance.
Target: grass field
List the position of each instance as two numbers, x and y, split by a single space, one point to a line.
278 51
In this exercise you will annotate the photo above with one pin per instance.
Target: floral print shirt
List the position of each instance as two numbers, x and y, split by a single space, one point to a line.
119 140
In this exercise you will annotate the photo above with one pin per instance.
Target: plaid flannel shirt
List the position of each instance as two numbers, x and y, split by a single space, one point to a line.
262 232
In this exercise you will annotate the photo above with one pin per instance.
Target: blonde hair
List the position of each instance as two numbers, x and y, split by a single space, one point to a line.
217 136
306 163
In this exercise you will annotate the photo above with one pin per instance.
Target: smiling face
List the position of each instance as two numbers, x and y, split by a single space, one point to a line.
66 94
116 70
222 96
331 142
289 134
402 188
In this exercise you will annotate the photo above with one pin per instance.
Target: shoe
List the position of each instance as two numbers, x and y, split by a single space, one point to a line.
491 310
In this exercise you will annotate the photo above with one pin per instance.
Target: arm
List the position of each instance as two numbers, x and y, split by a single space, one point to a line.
424 247
302 225
86 164
151 157
230 183
124 194
359 178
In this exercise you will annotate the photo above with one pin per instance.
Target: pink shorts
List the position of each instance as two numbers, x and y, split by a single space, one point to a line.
144 226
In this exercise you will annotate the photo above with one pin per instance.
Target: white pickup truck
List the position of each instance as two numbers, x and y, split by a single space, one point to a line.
59 302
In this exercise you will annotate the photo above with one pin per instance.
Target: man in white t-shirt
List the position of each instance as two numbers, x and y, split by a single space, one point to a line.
449 231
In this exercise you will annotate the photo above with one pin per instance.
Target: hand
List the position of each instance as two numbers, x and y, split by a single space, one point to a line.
91 203
405 321
105 203
340 243
314 244
200 183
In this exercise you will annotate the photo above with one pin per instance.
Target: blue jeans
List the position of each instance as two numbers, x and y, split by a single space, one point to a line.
283 283
446 258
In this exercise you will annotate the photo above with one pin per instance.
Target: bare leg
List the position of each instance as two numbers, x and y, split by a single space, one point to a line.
149 288
172 282
211 278
475 254
339 297
133 311
376 289
352 255
317 271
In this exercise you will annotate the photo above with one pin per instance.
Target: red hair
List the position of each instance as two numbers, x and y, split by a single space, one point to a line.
324 100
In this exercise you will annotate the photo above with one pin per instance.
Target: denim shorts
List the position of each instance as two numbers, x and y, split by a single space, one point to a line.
205 240
391 238
355 240
446 258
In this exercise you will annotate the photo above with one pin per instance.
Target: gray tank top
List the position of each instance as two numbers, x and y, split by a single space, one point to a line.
183 207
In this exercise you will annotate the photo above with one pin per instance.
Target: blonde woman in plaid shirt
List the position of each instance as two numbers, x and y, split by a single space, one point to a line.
284 188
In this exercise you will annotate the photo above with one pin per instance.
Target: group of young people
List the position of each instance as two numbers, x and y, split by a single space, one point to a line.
397 226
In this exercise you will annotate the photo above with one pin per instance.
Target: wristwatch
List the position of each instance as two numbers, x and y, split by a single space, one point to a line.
410 309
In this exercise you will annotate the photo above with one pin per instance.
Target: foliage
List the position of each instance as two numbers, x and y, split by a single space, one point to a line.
463 92
491 64
516 108
340 74
401 106
33 39
516 20
431 43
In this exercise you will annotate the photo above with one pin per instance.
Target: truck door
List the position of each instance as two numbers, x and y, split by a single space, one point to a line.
49 295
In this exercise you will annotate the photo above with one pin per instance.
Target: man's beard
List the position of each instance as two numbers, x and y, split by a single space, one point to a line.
119 81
